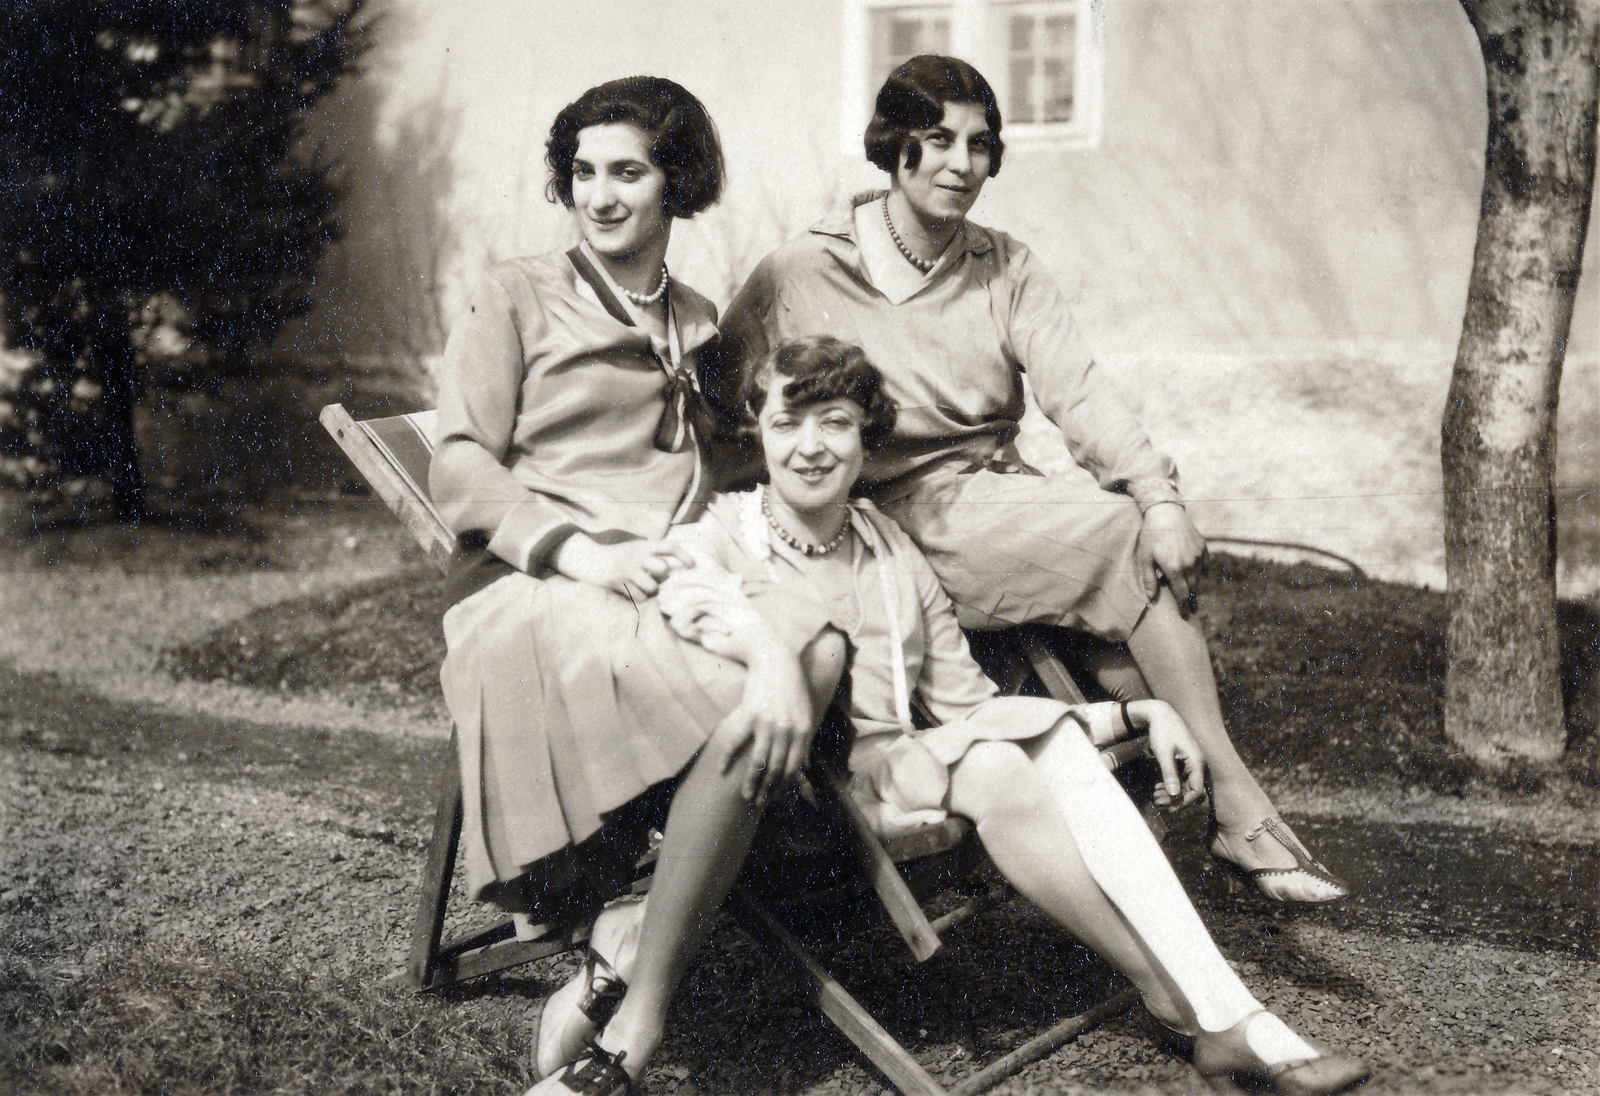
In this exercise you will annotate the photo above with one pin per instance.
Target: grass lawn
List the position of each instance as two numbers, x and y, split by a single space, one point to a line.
196 903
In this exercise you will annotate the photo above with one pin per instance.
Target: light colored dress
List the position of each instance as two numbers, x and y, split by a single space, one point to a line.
904 638
1010 547
558 413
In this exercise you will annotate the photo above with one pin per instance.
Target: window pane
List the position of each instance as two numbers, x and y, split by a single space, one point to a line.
1039 41
899 34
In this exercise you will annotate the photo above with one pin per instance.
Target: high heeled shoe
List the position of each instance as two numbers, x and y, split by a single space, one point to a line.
602 990
1308 883
595 1072
1228 1053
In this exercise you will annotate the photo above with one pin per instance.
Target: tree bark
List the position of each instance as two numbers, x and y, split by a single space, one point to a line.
119 447
1502 688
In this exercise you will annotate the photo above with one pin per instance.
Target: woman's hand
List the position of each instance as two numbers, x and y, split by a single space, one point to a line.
631 567
1171 547
1183 765
772 727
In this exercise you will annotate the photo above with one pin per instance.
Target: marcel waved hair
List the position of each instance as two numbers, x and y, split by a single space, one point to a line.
914 97
817 369
683 139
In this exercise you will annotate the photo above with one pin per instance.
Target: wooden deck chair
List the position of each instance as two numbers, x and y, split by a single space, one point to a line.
393 454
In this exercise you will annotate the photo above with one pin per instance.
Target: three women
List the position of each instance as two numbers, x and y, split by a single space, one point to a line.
569 458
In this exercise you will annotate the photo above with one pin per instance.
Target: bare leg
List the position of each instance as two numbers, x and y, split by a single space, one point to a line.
709 829
1171 653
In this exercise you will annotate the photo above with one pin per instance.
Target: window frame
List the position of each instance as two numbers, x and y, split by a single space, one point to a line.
972 39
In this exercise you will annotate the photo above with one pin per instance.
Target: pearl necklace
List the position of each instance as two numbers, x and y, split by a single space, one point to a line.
921 264
645 299
800 545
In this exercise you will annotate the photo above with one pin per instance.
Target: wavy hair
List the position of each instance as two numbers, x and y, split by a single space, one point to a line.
914 97
817 369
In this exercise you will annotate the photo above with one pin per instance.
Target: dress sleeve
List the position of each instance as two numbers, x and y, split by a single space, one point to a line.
480 393
951 684
1102 435
790 608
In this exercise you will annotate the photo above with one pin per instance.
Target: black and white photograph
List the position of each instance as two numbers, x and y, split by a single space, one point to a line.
699 547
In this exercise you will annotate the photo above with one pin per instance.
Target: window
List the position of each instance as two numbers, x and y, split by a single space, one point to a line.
1043 58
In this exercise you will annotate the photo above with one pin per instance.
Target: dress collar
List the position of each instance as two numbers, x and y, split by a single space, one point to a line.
840 223
695 316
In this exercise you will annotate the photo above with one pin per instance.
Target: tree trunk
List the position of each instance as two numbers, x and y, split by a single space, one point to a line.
119 448
1502 688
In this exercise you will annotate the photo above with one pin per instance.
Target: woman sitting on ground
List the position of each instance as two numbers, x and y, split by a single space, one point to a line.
1022 769
568 445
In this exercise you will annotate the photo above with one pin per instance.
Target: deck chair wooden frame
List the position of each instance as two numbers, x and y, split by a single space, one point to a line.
393 454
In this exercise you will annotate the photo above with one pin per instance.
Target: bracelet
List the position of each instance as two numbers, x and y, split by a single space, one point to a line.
1126 720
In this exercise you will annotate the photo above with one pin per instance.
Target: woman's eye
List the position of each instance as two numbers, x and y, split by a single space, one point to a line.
837 424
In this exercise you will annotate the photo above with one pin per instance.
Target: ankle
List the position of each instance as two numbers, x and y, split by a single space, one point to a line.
638 1041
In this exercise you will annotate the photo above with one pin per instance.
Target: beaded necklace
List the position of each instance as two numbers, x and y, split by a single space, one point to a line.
790 539
921 264
645 299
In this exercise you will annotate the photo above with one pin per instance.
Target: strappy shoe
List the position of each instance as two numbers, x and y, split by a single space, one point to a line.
1227 1054
603 989
596 1072
1309 882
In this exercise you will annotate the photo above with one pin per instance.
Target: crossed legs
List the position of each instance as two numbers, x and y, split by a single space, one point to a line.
1063 832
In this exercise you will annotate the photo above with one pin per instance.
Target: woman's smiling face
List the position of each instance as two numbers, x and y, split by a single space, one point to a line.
617 193
954 165
814 453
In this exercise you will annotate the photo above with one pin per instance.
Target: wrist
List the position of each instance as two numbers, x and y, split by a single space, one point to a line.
569 552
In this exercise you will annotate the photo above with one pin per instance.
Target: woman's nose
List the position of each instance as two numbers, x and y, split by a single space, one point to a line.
809 442
960 160
604 195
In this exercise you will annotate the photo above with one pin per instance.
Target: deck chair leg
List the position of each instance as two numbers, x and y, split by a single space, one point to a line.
902 906
836 1003
436 875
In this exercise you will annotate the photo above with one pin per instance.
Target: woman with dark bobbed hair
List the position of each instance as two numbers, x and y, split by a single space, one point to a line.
568 445
952 313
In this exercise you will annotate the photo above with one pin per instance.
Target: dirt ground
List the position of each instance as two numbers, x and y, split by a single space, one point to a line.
202 883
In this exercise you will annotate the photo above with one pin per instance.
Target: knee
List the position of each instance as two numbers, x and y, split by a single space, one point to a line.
996 778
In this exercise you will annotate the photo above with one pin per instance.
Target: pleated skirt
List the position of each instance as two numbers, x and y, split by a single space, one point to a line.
569 702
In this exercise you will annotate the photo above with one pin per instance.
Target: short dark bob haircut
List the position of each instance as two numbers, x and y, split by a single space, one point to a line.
683 139
820 368
914 97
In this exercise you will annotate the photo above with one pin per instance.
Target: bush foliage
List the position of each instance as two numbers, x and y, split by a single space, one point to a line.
159 212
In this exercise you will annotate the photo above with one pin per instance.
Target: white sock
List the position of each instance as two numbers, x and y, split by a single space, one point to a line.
1128 864
1273 1042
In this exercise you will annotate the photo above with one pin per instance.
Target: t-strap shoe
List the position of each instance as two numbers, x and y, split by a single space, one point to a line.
596 1072
1228 1053
1309 882
602 989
